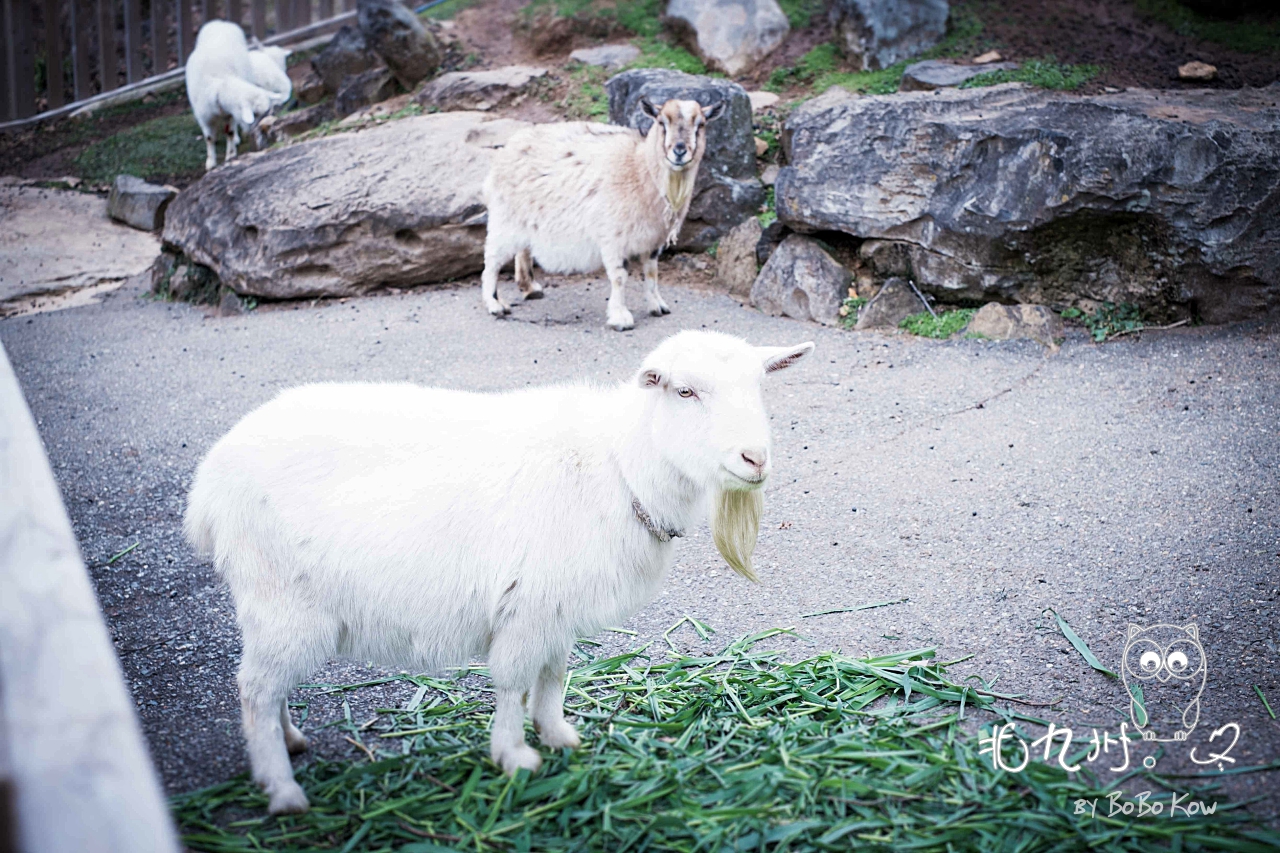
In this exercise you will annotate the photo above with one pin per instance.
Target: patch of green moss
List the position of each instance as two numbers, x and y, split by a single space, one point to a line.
1045 73
800 13
849 311
446 10
769 214
1109 320
1246 36
642 17
944 325
159 150
655 53
587 99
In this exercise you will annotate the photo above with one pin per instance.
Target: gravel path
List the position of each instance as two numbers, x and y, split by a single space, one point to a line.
981 483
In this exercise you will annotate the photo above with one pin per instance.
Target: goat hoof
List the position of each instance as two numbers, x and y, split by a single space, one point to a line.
520 757
296 742
534 294
288 799
559 735
499 310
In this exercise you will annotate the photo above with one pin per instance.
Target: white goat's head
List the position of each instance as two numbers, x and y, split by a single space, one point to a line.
682 126
709 422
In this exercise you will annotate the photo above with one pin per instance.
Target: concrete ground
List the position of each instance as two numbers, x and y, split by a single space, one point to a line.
980 483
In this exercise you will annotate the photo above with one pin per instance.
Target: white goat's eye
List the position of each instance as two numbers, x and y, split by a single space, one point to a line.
1177 662
1150 662
685 392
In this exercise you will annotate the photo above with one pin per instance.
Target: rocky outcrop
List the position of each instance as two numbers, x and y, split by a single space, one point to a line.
1163 199
875 34
727 190
801 281
479 90
937 73
398 204
728 35
346 54
391 30
135 202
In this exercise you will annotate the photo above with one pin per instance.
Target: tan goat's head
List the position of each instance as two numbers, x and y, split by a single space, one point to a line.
683 129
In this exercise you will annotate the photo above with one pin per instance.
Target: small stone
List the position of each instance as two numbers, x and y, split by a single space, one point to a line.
761 147
1011 322
895 302
736 258
989 56
769 176
937 73
801 281
1197 71
135 202
478 90
230 304
606 55
298 122
761 100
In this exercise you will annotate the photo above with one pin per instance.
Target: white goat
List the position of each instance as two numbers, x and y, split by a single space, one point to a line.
218 75
577 195
423 527
271 69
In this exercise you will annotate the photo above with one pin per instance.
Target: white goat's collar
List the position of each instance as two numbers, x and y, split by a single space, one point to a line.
662 534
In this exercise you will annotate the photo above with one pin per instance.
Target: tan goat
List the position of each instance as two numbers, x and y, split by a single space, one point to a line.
576 196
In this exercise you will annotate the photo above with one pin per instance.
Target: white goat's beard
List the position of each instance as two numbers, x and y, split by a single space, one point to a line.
735 524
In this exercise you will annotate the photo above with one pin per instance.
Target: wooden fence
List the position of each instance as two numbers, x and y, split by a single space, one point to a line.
59 53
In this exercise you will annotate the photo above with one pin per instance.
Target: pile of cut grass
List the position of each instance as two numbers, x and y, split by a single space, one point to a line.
731 751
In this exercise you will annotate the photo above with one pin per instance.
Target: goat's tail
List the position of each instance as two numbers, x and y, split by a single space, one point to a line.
198 523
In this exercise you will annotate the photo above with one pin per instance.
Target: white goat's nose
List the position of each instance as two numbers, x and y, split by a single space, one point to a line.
756 457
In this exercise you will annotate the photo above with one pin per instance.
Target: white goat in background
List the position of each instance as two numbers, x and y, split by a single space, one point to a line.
423 527
219 75
270 65
576 196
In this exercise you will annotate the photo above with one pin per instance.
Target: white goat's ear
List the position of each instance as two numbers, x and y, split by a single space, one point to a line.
780 358
647 107
714 111
649 378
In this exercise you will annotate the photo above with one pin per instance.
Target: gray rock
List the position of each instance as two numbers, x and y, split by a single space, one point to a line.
736 258
812 112
1012 322
360 90
345 55
727 190
606 55
309 87
286 223
135 202
803 282
770 239
895 302
761 100
937 73
298 122
875 34
728 35
411 51
478 90
1163 199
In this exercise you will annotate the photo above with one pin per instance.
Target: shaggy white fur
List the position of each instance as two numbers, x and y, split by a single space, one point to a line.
422 527
576 196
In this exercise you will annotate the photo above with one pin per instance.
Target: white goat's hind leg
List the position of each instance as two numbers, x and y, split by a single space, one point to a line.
494 258
233 140
210 146
506 745
547 710
524 275
294 740
657 305
618 317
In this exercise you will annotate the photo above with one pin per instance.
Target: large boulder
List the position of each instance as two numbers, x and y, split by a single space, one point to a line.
875 34
727 190
729 35
346 54
398 204
390 28
1168 200
803 282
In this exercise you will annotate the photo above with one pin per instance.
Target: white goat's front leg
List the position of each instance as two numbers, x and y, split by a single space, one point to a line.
233 140
506 742
524 275
547 709
294 740
210 146
494 259
657 306
618 317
